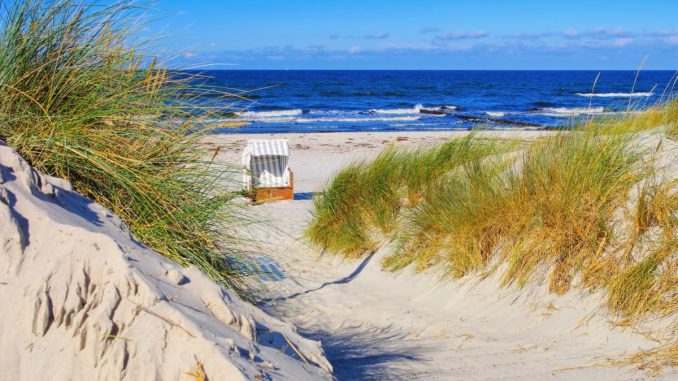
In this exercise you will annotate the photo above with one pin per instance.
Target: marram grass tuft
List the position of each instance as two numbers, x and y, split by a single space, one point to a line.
77 102
365 199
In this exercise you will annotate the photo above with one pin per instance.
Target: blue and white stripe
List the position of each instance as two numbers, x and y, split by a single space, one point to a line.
265 163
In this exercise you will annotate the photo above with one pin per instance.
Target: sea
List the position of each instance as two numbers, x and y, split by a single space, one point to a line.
280 101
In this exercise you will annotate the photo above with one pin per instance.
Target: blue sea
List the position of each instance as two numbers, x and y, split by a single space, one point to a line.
325 101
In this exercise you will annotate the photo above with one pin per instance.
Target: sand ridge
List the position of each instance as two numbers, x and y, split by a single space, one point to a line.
82 299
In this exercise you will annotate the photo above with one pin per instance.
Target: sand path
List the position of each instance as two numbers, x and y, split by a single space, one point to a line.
381 326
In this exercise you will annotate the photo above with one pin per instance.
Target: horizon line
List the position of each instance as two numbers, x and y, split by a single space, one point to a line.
251 69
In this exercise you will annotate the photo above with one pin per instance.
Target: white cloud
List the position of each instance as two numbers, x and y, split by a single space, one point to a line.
528 36
377 36
461 35
570 32
622 42
664 33
598 33
430 29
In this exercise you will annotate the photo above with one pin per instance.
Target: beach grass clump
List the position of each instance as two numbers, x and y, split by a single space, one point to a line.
337 225
550 211
550 208
364 201
663 114
78 102
647 279
582 208
457 221
670 119
562 202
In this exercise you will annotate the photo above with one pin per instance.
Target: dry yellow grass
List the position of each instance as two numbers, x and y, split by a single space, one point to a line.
198 373
583 208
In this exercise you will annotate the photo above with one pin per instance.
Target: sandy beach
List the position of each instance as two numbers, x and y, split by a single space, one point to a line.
318 156
376 325
339 191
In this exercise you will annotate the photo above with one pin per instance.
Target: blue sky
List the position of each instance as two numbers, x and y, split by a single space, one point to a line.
423 34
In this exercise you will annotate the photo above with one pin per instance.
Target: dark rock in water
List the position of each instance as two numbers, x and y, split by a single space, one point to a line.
543 104
516 123
431 112
471 118
508 122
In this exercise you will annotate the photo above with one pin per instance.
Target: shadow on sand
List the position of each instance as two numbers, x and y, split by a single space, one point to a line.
375 353
305 195
343 280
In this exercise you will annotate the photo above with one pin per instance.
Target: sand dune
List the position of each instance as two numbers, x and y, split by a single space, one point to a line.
376 325
81 299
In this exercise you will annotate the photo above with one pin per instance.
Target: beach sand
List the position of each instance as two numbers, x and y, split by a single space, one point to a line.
376 325
82 299
317 156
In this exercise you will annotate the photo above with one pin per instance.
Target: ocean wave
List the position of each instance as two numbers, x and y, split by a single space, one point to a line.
495 114
398 111
616 95
365 119
331 112
425 124
327 118
565 111
269 114
417 109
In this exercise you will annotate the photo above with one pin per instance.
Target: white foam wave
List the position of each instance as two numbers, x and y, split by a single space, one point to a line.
435 125
414 110
365 119
616 95
496 114
441 108
398 111
336 116
288 119
269 114
565 111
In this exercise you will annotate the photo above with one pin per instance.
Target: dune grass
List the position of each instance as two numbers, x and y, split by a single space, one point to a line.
663 114
670 119
550 207
453 222
364 201
648 284
77 102
580 208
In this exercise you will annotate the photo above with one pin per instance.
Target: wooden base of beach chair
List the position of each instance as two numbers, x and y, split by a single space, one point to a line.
261 195
272 194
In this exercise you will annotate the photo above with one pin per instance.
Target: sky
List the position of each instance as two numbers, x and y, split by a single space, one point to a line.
419 34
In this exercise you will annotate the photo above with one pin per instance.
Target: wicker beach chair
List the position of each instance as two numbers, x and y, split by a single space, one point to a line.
266 171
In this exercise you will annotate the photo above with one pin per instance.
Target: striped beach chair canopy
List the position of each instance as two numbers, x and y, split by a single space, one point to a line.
265 163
